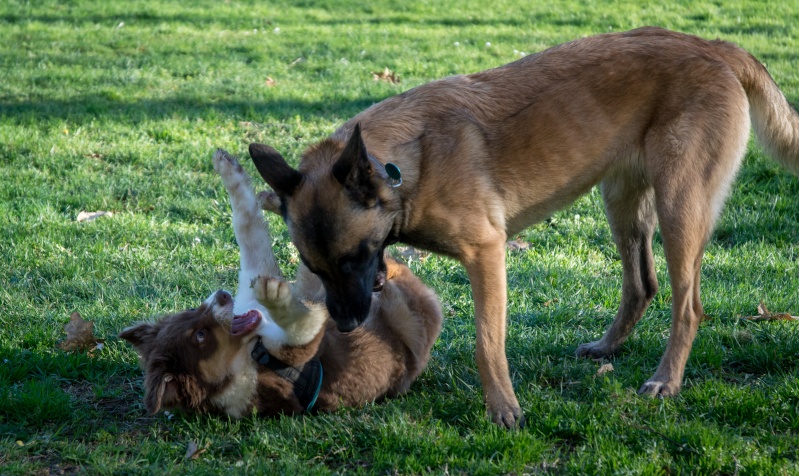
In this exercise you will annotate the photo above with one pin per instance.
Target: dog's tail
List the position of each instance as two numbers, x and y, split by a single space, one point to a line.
775 121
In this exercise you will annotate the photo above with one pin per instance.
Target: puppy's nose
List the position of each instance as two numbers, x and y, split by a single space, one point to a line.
223 297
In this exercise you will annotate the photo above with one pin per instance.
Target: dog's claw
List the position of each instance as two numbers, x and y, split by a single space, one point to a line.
593 350
510 419
656 388
225 164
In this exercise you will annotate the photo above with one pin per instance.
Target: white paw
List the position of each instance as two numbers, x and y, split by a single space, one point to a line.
273 293
226 165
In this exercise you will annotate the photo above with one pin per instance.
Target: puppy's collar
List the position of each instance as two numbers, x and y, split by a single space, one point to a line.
306 380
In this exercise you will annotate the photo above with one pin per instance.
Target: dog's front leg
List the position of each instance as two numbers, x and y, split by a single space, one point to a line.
252 234
486 269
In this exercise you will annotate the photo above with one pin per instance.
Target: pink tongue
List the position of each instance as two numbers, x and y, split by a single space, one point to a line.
245 323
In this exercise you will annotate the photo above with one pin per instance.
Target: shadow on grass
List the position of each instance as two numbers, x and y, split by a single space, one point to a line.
87 108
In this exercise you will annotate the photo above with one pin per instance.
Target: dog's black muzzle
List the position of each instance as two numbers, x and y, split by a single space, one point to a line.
349 298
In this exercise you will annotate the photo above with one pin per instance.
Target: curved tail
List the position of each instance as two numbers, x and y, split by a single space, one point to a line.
775 121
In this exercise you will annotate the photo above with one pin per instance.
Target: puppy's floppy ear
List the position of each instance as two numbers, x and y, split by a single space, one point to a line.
355 171
139 334
162 390
274 169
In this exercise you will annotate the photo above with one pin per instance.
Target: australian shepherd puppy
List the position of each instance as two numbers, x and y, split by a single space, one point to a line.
273 347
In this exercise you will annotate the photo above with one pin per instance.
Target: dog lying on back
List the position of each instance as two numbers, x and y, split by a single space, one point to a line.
273 348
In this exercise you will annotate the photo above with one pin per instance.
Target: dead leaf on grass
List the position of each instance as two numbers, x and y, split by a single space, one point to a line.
603 369
386 75
80 335
550 302
763 314
193 451
89 216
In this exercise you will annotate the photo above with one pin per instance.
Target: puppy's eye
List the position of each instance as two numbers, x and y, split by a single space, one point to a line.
200 335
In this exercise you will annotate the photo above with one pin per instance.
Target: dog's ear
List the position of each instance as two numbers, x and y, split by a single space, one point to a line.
139 334
274 169
162 390
355 171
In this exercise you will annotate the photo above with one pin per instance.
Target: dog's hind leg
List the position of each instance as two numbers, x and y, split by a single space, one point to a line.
252 234
630 207
693 165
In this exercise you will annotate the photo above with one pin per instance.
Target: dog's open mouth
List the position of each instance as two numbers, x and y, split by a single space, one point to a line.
245 323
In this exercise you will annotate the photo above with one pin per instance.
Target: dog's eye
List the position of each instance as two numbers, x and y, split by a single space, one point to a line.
200 335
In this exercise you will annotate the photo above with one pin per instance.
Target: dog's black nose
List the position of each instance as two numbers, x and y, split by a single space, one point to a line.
347 326
223 297
349 313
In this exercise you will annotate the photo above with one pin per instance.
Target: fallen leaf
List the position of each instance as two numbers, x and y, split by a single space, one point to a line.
603 369
517 245
80 335
763 314
386 75
193 451
270 82
89 216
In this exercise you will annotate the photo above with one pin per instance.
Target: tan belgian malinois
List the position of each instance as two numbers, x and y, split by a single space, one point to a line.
659 119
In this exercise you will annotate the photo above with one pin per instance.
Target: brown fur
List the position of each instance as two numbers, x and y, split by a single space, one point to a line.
193 360
381 358
659 119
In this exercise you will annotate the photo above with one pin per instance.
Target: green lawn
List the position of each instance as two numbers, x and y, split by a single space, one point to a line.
118 106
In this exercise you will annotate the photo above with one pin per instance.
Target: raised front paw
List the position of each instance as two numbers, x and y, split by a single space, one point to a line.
274 293
226 165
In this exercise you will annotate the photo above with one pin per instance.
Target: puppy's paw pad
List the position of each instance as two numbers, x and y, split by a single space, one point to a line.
272 292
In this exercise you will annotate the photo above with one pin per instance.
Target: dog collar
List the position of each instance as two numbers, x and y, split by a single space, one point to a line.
306 380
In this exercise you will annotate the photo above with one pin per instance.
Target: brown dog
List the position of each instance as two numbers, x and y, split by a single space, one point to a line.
660 119
204 359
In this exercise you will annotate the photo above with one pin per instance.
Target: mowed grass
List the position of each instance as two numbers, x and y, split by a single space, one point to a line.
118 106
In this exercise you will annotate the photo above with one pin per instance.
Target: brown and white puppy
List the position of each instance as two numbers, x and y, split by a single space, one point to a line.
658 118
201 359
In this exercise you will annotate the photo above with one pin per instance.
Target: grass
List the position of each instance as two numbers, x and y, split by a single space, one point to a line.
118 106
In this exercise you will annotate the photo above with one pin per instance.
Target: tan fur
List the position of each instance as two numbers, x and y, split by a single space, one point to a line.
193 361
659 119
